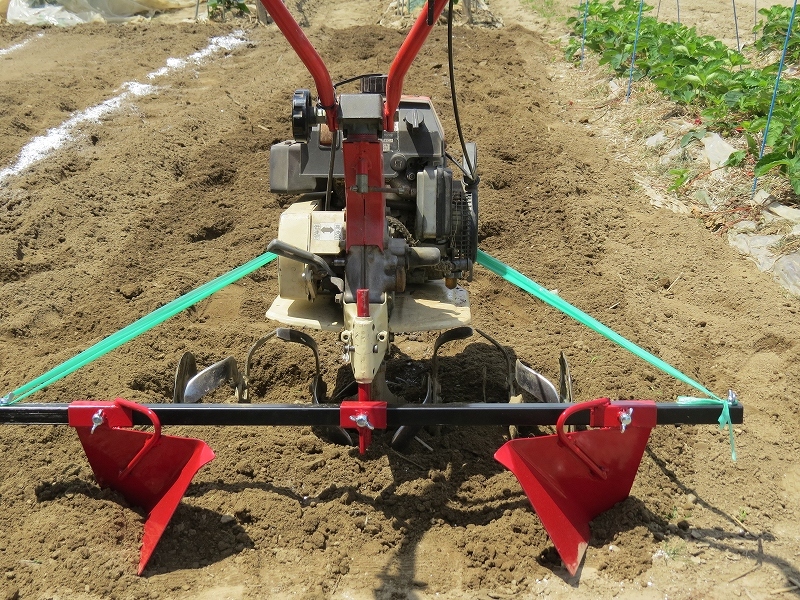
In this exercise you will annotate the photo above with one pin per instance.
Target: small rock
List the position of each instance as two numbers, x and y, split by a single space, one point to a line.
225 519
683 524
696 534
318 540
130 291
314 465
613 548
246 469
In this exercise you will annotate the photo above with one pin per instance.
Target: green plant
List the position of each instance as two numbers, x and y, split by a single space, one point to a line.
681 176
702 71
217 9
675 550
773 29
546 8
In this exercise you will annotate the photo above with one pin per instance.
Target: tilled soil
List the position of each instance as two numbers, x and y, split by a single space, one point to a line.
168 188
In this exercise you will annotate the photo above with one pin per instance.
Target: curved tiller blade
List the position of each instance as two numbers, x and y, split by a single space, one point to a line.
571 478
149 469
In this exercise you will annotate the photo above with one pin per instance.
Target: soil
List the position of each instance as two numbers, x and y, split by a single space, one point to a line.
170 189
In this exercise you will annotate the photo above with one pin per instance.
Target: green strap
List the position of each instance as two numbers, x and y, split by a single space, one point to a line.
135 329
554 300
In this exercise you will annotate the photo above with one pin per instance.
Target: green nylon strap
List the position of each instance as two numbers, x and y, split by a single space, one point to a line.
554 300
135 329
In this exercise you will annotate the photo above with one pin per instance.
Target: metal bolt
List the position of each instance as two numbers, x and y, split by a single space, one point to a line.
361 420
625 418
7 399
98 419
732 397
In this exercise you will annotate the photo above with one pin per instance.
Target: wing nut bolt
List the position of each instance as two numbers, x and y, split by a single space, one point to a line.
98 419
625 418
362 421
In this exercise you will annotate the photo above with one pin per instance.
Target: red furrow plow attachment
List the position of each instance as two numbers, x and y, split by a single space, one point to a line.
569 477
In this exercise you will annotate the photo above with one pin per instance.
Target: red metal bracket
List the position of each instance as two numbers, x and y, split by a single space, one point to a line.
149 469
363 415
366 210
570 478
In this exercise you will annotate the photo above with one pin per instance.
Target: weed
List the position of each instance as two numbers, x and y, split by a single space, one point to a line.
217 9
546 8
742 514
675 549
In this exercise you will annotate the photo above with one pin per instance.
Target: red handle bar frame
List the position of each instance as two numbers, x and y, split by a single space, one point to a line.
322 78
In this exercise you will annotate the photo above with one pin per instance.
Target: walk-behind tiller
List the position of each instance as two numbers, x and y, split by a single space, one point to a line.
374 245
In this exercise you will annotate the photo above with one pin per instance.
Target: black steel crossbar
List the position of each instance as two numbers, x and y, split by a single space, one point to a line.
408 414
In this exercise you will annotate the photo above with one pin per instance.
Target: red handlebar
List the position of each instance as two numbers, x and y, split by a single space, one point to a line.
322 79
308 54
402 61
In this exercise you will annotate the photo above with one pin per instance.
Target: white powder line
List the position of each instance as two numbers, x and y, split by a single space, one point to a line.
23 43
42 146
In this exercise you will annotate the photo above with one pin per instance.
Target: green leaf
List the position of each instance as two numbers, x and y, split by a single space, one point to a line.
681 177
770 161
795 182
752 146
694 134
735 159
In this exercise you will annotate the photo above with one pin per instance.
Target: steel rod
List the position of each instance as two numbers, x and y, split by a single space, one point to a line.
408 414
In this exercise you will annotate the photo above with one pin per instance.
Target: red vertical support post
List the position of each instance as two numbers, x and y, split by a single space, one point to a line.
363 171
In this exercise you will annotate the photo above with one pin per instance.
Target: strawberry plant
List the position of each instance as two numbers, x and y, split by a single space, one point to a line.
217 9
701 71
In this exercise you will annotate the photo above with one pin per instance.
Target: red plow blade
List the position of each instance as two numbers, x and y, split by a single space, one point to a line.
149 469
571 478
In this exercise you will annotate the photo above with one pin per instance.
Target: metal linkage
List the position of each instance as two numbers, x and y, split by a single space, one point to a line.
396 416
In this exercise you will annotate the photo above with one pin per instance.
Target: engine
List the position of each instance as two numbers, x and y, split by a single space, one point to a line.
431 217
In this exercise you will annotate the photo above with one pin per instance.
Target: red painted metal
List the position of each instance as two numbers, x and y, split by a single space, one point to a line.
308 54
362 303
366 211
149 469
571 478
402 61
363 415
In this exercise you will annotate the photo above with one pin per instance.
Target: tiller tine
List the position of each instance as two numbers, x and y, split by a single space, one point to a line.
149 469
571 478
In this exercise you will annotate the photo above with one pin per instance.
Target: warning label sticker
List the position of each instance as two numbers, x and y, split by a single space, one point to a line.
328 232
